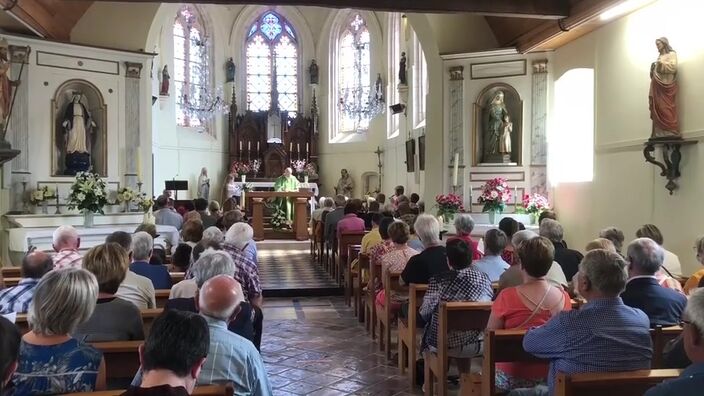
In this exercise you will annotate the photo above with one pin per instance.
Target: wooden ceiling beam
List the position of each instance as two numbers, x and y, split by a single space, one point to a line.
54 22
541 9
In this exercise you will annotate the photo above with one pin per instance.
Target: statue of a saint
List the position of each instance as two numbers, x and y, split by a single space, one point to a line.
229 70
402 76
345 185
165 77
5 83
77 124
286 182
505 138
663 92
379 88
313 71
492 135
204 184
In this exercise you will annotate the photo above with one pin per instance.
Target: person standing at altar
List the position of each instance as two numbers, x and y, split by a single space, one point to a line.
286 182
204 184
345 185
166 214
66 243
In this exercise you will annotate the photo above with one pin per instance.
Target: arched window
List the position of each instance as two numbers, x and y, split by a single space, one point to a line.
354 74
420 83
190 73
272 64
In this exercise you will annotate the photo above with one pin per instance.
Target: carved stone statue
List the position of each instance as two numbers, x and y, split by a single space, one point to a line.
229 70
345 185
663 92
165 77
204 184
379 88
402 76
505 138
494 128
78 125
5 83
313 71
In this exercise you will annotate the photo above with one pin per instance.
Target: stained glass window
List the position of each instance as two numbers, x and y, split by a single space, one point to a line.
190 63
353 78
272 64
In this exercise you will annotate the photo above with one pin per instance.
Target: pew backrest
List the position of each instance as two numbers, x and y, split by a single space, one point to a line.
626 383
203 390
502 346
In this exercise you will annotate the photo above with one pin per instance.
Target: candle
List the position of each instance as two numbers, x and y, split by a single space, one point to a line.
139 165
298 147
290 147
257 148
456 169
470 198
249 145
515 197
240 145
307 150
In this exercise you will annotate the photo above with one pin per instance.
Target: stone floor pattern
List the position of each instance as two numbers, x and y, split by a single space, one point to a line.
315 346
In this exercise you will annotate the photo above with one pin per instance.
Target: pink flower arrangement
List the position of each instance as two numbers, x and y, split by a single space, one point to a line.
495 194
240 168
299 166
449 204
535 203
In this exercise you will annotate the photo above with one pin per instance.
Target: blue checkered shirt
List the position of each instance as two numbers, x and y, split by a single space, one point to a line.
246 272
602 336
18 298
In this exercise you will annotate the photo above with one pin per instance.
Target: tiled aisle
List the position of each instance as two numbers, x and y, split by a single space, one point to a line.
314 346
285 266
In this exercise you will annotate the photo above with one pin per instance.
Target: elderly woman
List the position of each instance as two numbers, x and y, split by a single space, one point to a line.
464 225
514 276
433 259
509 226
192 232
492 264
693 281
214 208
531 304
614 235
213 234
181 259
113 319
413 241
51 361
601 243
396 259
240 236
672 264
567 258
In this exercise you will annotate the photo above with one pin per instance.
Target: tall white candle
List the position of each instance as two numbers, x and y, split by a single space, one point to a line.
456 169
240 145
257 148
249 145
139 164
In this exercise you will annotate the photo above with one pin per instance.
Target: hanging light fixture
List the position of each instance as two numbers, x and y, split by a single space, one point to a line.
203 101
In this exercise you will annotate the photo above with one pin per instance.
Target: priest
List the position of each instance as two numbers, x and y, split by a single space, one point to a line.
286 182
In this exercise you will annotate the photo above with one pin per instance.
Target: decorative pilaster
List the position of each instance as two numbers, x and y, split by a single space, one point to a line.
456 141
539 145
18 127
132 104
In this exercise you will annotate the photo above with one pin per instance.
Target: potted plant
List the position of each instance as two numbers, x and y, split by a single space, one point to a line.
448 205
88 195
535 204
495 194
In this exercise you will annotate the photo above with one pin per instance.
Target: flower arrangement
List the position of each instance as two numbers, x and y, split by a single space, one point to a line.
299 166
254 166
535 203
126 194
495 194
88 193
240 168
311 170
41 195
448 204
278 219
144 203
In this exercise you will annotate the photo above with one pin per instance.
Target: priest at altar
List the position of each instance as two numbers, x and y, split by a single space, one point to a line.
286 182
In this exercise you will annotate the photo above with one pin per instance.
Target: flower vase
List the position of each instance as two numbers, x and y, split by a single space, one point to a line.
125 207
492 217
305 179
244 178
45 207
533 218
449 217
88 219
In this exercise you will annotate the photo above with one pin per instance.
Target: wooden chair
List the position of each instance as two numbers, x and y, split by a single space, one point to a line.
121 358
626 383
370 299
408 332
502 346
352 255
162 295
661 336
384 317
358 289
453 316
346 239
203 390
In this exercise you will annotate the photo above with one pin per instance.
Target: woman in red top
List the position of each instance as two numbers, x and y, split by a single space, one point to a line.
531 304
464 224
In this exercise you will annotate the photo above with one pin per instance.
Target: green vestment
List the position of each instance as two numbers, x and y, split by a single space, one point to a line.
284 183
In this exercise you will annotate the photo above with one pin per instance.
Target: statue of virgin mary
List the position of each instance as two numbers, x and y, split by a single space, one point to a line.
77 124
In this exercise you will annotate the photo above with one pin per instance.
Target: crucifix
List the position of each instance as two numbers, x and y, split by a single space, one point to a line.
378 153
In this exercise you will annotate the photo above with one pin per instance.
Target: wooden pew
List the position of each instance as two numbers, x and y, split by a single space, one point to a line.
384 317
346 239
408 332
352 254
121 358
358 289
501 346
12 281
11 272
453 316
370 298
148 316
626 383
162 295
203 390
661 336
177 277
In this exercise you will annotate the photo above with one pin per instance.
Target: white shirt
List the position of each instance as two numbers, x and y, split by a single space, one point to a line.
187 288
672 263
138 290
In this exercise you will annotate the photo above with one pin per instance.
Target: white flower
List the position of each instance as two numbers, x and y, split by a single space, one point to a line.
80 197
494 194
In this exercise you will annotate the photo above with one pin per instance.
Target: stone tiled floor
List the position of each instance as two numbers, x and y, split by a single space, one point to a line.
285 269
315 346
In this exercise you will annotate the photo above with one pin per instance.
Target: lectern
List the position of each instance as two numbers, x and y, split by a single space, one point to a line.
300 224
176 186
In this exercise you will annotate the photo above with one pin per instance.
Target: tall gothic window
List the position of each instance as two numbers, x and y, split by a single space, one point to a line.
190 72
394 40
272 64
420 83
354 74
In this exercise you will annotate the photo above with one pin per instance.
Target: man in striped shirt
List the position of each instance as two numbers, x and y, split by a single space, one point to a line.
18 298
66 243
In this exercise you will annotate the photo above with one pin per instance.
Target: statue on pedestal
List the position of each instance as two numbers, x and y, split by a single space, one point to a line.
5 83
78 125
345 185
204 184
498 114
402 76
663 92
165 77
313 71
229 70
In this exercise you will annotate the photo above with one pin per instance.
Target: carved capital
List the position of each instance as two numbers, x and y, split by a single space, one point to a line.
457 73
19 54
133 69
540 66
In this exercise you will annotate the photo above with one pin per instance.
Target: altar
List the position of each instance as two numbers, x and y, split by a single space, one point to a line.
22 231
300 218
269 186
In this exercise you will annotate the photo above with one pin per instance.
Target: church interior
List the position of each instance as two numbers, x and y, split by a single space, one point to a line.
384 197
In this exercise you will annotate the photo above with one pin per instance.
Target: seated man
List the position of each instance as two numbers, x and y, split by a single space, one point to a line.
166 214
332 218
603 335
173 355
241 236
142 244
663 306
136 289
208 219
350 222
18 298
231 357
66 242
691 381
9 350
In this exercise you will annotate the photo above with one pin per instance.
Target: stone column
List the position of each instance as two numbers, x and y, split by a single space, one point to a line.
456 138
18 128
539 143
132 139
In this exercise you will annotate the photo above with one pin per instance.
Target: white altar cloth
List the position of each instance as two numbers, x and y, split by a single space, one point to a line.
482 224
312 186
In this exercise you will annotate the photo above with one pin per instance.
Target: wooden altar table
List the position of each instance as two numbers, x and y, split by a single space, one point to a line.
300 218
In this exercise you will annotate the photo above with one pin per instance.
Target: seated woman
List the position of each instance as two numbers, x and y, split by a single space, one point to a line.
51 361
396 259
181 259
462 283
509 226
492 263
192 232
531 304
464 225
413 240
113 319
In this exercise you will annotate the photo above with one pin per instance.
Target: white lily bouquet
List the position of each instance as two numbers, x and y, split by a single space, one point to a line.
88 193
126 194
41 195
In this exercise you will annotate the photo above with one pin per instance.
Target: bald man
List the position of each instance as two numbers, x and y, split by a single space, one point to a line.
230 357
18 298
66 243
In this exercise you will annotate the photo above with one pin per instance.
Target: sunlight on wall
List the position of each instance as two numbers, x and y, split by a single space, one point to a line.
571 139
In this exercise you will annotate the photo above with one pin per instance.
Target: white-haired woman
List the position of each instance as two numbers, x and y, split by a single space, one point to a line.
464 225
51 361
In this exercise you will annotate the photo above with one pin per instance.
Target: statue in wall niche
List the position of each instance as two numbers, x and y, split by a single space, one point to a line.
663 92
505 138
345 185
78 125
204 184
313 72
498 113
229 70
402 76
165 77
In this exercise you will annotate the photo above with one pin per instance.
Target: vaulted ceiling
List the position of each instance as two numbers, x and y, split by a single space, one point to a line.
528 25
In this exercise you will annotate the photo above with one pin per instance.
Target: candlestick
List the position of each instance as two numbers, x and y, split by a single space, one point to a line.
298 147
58 211
456 169
515 199
139 164
307 149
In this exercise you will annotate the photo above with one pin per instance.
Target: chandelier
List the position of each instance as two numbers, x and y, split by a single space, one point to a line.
203 100
359 103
